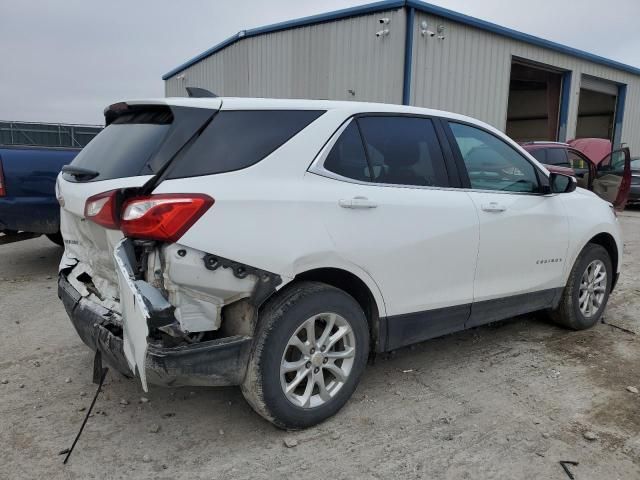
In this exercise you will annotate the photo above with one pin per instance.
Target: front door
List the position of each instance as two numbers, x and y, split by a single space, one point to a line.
524 235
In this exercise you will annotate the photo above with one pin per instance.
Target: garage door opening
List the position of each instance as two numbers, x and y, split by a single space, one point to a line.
596 109
534 102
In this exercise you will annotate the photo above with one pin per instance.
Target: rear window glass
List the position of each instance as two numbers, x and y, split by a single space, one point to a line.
238 139
124 147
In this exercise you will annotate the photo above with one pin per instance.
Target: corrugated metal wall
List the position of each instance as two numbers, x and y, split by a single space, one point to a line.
318 61
468 72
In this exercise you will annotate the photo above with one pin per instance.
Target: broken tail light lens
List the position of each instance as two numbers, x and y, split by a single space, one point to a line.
101 209
164 217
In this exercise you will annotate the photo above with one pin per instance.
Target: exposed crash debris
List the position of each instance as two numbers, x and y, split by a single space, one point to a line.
135 311
564 464
200 293
265 286
103 375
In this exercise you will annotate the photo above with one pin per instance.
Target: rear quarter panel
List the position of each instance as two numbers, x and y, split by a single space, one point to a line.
263 215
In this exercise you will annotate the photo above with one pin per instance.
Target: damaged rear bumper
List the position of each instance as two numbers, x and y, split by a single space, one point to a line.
219 362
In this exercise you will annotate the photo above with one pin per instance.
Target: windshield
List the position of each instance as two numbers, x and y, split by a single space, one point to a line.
635 164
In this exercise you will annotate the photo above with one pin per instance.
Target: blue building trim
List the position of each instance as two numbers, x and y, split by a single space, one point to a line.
419 6
408 57
515 35
617 129
565 99
300 22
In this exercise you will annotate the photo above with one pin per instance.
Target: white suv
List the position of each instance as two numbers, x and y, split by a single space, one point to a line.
276 244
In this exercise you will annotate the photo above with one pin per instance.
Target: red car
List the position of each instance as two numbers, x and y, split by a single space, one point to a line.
609 176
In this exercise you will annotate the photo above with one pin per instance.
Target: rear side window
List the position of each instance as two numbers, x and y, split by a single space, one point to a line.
540 154
238 139
403 151
557 156
347 157
125 146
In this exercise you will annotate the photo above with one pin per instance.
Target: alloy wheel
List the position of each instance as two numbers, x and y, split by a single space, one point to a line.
593 286
317 360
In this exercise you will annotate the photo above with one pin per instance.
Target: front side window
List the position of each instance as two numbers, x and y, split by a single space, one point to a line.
491 163
403 151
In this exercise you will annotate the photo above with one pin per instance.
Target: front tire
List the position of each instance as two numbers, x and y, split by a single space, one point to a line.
311 347
587 292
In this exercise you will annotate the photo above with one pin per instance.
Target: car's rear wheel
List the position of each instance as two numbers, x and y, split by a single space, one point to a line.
311 348
587 292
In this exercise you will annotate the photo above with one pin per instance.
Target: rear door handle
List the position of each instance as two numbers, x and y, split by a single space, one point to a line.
357 202
493 207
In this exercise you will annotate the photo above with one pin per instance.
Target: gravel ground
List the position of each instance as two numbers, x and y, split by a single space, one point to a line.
508 400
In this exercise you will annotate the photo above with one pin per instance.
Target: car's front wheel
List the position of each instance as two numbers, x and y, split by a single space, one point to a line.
587 291
311 346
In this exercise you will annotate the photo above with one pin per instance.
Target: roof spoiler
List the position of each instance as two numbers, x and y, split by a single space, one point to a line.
197 92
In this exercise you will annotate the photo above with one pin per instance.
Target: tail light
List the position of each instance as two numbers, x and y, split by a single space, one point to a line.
3 191
164 217
102 209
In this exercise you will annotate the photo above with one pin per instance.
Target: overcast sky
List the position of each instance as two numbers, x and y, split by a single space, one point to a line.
65 60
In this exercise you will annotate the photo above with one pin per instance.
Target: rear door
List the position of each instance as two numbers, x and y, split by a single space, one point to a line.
383 189
612 180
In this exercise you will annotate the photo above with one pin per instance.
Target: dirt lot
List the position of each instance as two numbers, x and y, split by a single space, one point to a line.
504 401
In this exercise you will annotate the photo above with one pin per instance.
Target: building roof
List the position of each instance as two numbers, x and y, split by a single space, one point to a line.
419 6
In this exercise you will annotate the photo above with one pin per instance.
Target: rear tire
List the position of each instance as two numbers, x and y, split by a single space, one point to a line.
327 367
56 238
587 291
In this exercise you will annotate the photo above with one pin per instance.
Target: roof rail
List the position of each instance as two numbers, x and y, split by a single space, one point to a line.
546 142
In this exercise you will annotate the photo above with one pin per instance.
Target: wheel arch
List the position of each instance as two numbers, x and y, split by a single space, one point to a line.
356 287
607 241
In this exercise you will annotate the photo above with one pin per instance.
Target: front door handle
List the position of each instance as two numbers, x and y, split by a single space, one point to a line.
494 207
357 202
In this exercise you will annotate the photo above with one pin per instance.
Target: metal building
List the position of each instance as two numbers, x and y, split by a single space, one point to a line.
406 51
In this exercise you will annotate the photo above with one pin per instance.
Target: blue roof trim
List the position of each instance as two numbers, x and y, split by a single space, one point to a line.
420 6
514 34
300 22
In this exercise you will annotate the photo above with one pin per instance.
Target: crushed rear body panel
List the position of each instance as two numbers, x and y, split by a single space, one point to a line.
173 316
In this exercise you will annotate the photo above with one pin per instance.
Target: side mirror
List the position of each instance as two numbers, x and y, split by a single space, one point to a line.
560 183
